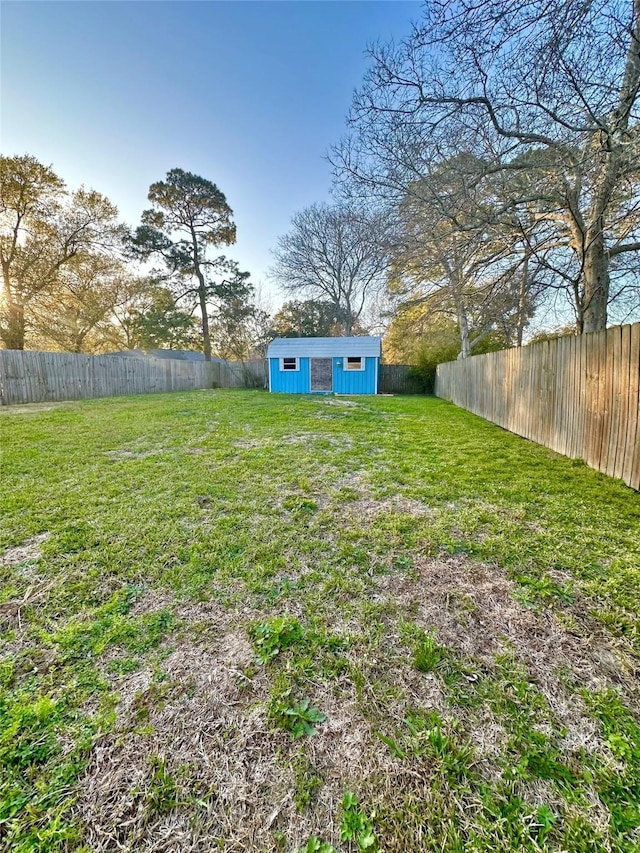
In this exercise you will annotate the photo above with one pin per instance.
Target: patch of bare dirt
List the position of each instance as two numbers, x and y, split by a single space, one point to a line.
473 610
369 509
29 552
31 408
201 736
344 739
21 560
151 601
251 443
345 404
11 612
358 481
301 437
124 454
306 438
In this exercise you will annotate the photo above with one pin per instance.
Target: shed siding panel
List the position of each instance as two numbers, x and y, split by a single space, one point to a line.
290 381
354 381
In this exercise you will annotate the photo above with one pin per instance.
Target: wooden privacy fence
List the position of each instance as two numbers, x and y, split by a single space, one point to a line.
578 395
394 379
240 374
37 377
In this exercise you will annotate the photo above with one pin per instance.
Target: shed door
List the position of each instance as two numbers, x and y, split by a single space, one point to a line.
321 374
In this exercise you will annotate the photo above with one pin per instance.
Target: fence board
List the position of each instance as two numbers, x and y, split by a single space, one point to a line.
560 414
632 442
579 396
614 368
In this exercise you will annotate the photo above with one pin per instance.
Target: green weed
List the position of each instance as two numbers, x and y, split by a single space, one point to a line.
161 796
356 826
429 655
315 845
618 784
300 718
275 635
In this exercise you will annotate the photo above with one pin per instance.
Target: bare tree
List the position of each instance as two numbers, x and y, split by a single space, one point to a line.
337 253
462 256
547 89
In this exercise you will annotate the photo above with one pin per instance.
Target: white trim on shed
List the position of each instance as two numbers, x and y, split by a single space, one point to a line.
290 367
349 362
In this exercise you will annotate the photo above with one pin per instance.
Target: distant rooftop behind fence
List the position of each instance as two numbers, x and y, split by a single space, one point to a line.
173 354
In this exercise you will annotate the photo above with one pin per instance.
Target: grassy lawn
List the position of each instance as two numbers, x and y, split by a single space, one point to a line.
241 622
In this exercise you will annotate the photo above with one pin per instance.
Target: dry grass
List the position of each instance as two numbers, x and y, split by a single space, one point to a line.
130 650
29 551
205 721
23 559
202 718
472 608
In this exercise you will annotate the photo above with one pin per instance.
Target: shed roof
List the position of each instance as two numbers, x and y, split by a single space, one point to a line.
324 347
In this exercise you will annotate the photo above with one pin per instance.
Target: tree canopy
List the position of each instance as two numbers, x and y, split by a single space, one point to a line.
545 92
72 281
309 318
188 216
45 230
490 171
337 253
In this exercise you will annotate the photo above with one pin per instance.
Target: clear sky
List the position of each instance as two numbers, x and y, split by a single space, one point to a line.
247 94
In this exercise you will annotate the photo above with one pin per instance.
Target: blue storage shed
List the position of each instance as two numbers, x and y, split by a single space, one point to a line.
324 365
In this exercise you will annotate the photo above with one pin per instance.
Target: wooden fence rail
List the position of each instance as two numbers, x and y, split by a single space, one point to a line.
38 377
578 395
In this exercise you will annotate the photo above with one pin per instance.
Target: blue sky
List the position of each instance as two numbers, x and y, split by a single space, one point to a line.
248 94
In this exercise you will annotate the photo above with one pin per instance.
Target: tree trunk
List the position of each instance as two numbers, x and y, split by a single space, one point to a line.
463 325
206 337
13 335
348 318
202 297
465 343
596 284
522 299
596 259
